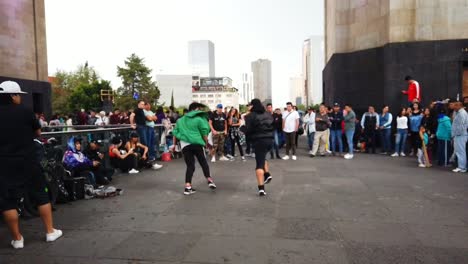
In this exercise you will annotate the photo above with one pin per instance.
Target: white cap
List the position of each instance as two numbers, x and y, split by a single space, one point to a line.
10 87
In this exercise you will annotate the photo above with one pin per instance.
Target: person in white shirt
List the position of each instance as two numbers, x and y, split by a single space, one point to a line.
402 133
290 127
309 127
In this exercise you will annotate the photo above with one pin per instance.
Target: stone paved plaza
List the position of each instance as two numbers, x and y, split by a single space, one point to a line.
374 209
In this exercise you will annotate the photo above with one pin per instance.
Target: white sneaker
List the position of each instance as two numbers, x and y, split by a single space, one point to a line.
421 165
459 170
223 158
54 235
213 159
402 154
329 152
395 154
349 156
229 156
243 158
310 152
18 244
294 157
133 171
156 166
286 157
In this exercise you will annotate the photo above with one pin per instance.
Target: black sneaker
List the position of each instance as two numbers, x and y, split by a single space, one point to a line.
261 192
212 185
189 191
268 179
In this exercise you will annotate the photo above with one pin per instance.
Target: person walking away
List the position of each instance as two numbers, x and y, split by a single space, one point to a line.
386 119
321 132
402 133
138 122
260 129
16 147
309 122
218 125
444 136
422 139
350 127
460 135
336 118
192 131
415 120
234 133
414 90
370 123
290 127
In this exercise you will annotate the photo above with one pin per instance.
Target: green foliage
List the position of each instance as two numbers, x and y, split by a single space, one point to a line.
242 108
66 84
88 96
301 107
136 77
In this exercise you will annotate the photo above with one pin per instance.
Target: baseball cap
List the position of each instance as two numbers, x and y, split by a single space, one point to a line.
97 142
10 87
336 104
219 106
310 108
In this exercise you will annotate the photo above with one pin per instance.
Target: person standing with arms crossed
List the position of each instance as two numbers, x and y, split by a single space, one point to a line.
16 147
218 125
290 127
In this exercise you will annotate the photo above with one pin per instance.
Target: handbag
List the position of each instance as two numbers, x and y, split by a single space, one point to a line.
300 131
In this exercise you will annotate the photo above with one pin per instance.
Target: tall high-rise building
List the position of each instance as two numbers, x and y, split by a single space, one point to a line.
246 91
261 70
372 45
313 63
296 90
201 55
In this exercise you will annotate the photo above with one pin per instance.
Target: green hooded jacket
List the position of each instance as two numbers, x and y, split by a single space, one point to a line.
192 127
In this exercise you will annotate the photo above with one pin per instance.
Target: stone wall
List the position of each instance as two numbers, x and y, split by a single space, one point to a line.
353 25
23 51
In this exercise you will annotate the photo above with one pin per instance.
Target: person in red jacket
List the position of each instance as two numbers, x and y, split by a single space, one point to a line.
414 90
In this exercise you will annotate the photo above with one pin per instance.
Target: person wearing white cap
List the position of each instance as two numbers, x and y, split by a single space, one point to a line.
16 147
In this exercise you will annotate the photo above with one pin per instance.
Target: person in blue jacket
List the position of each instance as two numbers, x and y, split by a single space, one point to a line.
444 136
75 161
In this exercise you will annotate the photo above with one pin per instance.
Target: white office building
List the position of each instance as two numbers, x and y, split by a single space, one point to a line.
214 91
261 70
246 91
313 63
201 56
297 91
180 85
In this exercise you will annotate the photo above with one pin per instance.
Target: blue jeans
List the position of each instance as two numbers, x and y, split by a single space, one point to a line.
141 130
385 138
310 139
336 135
400 140
150 136
459 143
349 138
444 151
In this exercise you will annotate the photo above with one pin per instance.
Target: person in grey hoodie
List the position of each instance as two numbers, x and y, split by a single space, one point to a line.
350 127
460 135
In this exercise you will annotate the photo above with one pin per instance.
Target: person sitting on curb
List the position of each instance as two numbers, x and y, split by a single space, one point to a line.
141 151
75 161
121 159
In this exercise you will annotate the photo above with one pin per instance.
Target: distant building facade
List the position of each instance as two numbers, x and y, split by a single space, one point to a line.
201 56
178 85
296 89
261 70
214 91
313 63
23 51
246 91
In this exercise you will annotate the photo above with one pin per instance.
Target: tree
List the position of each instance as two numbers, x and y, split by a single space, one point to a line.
136 80
65 83
88 96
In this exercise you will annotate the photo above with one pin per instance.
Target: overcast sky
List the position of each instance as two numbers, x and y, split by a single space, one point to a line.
104 33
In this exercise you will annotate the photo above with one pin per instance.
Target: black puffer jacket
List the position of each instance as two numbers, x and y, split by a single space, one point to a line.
259 126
